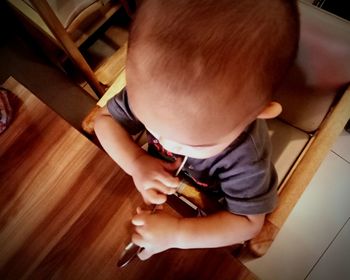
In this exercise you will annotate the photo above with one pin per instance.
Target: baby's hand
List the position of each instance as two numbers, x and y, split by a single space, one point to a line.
153 178
155 232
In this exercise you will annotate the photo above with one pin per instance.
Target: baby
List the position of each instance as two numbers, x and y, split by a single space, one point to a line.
200 76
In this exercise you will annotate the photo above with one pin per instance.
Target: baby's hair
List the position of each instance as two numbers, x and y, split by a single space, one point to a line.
245 44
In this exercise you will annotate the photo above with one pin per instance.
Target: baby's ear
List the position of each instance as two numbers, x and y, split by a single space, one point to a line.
272 110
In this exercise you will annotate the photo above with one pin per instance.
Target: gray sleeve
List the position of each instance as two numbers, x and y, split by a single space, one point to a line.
249 179
119 109
252 191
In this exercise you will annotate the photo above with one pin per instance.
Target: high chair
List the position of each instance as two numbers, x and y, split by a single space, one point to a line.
316 107
61 27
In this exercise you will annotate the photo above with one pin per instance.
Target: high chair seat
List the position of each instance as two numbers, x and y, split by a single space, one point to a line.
288 143
321 68
67 11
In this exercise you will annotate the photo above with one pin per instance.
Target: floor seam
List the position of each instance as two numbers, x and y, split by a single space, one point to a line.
324 252
340 157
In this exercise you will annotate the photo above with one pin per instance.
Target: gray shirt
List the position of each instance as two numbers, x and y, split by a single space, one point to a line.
242 176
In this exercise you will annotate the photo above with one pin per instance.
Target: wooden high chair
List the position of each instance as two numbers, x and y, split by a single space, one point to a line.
316 106
65 25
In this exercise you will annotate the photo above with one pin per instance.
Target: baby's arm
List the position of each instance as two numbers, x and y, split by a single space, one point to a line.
151 176
160 231
220 229
116 141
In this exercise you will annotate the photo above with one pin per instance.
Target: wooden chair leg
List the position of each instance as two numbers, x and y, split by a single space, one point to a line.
67 43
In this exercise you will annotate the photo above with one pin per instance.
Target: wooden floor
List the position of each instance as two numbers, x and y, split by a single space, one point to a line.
65 208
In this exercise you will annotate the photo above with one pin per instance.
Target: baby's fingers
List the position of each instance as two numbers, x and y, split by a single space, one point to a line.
154 197
145 254
160 187
140 210
138 240
168 180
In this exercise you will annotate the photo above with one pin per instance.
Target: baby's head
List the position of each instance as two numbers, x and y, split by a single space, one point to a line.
199 71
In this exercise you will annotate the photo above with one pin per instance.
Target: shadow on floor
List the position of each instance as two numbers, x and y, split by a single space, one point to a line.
18 58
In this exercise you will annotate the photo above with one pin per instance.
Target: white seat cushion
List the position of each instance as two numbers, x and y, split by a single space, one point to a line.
65 10
287 144
321 69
